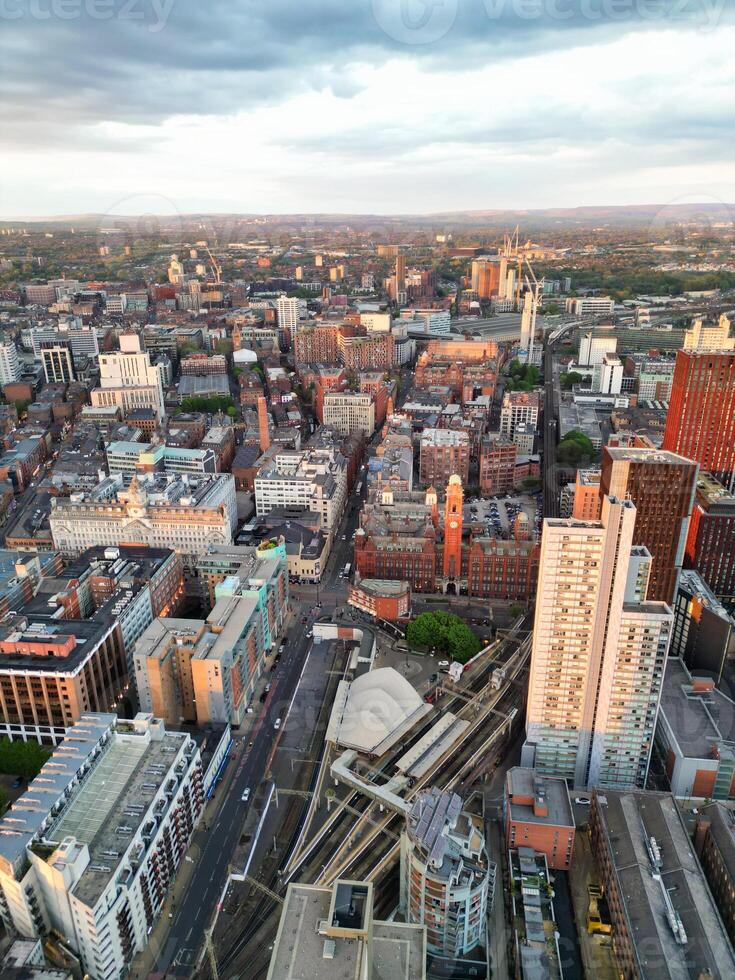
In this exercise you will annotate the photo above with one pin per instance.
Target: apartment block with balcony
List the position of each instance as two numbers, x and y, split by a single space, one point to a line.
91 849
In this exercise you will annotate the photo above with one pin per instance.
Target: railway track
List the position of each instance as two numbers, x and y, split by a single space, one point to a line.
322 859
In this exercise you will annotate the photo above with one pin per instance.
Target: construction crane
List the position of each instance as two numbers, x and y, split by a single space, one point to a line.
216 268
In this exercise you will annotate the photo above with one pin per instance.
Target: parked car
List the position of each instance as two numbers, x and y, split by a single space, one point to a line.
443 663
245 796
582 800
277 724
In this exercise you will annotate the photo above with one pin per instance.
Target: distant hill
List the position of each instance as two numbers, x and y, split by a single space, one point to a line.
630 216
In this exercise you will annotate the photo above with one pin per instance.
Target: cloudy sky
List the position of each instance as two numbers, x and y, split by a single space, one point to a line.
383 106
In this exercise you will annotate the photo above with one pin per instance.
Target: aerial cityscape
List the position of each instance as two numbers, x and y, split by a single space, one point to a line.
367 491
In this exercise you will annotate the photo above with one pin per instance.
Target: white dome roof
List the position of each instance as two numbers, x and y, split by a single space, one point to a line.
378 703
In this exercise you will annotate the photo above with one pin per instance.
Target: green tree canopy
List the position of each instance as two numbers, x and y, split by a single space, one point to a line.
569 379
575 448
444 632
22 758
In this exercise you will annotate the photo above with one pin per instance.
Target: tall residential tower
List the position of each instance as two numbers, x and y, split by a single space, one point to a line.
599 649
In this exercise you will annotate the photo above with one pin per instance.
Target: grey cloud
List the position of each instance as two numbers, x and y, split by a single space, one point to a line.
223 55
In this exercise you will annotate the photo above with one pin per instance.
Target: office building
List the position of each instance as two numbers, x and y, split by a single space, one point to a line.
700 423
381 598
497 464
444 453
590 306
710 546
82 339
447 881
607 376
185 513
128 379
58 365
350 411
696 735
310 480
655 380
661 485
702 634
599 648
709 336
129 458
52 671
519 406
665 922
257 571
91 849
594 346
714 842
332 933
10 370
538 814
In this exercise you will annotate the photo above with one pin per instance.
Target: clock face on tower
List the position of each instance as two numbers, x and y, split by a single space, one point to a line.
453 524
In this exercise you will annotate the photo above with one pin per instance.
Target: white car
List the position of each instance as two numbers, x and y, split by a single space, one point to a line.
245 796
443 663
277 724
582 800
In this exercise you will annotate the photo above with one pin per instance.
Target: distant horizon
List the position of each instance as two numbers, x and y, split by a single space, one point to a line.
490 212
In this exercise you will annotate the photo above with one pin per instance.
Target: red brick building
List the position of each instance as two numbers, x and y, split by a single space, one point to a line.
710 546
381 599
497 464
700 423
538 814
661 485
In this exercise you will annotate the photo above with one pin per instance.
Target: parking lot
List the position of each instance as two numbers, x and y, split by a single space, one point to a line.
498 513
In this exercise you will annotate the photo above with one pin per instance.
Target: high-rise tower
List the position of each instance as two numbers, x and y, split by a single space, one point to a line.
599 650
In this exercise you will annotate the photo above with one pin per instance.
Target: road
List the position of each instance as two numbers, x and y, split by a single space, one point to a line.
194 909
216 842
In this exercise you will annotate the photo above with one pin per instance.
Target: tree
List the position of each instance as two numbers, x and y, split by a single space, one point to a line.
574 448
569 379
445 633
22 758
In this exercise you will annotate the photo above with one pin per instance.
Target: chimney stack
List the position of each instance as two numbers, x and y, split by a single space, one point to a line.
263 424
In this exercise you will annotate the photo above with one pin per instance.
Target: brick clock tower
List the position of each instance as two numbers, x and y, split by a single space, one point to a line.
452 568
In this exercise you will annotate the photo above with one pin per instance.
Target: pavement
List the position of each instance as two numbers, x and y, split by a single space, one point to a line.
596 951
192 901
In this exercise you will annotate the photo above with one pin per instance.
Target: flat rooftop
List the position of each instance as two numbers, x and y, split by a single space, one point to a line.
698 720
39 630
301 953
113 802
631 819
522 784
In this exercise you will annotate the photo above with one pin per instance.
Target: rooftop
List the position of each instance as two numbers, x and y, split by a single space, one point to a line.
444 437
304 949
526 790
673 921
61 646
373 711
698 719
